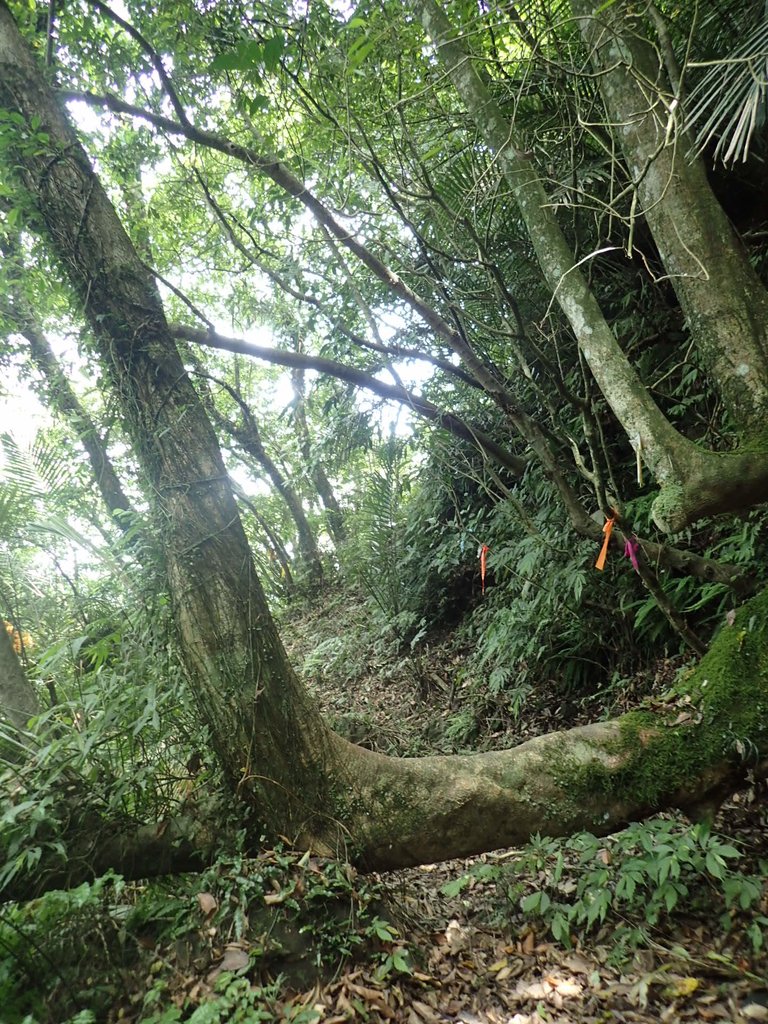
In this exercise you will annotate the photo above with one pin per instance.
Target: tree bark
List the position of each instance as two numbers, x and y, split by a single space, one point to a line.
694 482
724 303
386 813
277 754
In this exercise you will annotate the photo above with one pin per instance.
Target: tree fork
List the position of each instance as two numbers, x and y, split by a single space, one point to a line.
388 813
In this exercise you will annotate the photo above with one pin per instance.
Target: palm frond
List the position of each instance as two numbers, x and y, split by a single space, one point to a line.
729 103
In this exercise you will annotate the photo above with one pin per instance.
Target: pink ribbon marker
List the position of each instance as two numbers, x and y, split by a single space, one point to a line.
631 547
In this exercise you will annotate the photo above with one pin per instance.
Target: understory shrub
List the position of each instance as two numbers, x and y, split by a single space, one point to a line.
626 884
220 946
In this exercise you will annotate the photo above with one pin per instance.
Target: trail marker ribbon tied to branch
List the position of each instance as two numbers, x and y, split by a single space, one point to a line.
483 552
631 546
608 526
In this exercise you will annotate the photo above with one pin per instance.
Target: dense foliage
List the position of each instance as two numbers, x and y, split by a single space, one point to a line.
407 413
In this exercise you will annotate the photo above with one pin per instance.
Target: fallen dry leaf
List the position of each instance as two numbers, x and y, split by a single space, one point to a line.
456 937
273 898
681 987
578 964
425 1013
235 959
207 903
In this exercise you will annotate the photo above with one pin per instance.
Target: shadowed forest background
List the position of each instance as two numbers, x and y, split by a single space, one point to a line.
383 483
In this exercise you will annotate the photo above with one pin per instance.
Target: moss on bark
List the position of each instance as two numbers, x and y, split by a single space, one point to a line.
716 722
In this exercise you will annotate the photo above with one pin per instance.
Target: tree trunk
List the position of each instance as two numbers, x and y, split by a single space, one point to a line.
248 437
334 515
277 754
264 729
724 302
384 813
60 394
694 482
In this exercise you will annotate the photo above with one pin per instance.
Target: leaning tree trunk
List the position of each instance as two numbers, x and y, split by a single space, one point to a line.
393 812
63 400
266 734
724 302
276 752
694 482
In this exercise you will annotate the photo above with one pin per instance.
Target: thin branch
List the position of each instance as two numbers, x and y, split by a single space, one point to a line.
278 172
49 33
661 555
395 351
151 52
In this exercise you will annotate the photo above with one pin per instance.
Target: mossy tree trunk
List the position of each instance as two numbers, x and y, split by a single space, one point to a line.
290 772
384 813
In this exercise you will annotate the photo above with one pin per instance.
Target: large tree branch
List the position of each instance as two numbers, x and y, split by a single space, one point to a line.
360 379
95 845
661 556
392 812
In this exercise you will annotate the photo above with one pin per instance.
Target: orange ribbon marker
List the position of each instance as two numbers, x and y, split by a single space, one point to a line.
484 549
607 530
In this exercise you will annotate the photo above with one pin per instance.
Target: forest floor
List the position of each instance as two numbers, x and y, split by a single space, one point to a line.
477 958
447 943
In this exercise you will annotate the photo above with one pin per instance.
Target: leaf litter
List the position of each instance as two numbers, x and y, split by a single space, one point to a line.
461 952
476 966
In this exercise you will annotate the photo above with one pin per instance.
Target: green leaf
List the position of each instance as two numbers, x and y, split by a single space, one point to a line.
454 887
273 50
670 897
359 51
714 865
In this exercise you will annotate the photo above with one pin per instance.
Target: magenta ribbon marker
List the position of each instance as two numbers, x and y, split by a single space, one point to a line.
631 547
